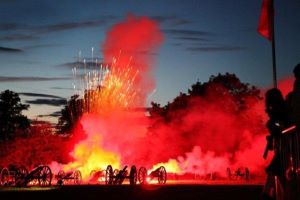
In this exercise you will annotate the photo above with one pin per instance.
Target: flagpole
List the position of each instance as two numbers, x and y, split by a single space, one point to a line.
272 15
273 45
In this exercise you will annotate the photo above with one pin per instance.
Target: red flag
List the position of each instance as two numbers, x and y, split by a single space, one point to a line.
265 19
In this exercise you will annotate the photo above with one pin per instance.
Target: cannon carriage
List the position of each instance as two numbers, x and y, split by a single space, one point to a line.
19 176
160 173
70 177
239 174
12 174
117 177
41 176
97 176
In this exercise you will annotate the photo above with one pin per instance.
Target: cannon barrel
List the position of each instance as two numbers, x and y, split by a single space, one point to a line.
154 173
124 169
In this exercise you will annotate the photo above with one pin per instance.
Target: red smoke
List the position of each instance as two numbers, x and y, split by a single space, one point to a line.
133 43
208 135
39 147
286 85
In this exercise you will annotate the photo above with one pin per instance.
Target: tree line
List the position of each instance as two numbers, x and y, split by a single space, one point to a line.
13 123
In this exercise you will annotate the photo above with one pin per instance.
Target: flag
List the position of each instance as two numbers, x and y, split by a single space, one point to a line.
265 19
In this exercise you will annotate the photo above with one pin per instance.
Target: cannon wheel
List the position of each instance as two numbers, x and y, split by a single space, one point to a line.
109 175
162 175
45 176
60 176
21 173
77 177
133 175
4 177
142 175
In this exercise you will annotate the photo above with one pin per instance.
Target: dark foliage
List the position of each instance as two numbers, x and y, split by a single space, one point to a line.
70 114
217 87
12 122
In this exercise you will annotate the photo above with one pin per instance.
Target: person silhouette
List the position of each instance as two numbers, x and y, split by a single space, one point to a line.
292 171
293 99
279 119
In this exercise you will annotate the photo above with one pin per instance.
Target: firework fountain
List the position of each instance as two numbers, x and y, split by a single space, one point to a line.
111 92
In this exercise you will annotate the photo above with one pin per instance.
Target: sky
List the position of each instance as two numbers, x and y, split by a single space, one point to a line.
40 42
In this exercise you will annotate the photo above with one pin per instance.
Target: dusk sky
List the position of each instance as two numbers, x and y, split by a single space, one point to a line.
40 42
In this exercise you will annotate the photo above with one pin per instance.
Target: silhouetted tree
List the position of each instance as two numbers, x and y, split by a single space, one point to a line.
11 119
197 89
156 110
238 90
70 114
216 87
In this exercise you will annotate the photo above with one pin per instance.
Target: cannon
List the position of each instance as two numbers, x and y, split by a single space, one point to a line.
12 174
97 176
238 174
117 177
160 173
69 177
40 175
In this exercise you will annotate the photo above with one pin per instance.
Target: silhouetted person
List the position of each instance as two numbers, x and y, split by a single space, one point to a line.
293 99
238 172
293 102
247 173
229 174
278 120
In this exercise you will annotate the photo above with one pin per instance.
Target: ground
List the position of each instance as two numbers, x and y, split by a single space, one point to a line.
123 192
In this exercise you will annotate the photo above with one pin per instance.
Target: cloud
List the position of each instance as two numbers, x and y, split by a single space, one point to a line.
163 18
215 48
172 19
182 22
187 32
54 114
48 99
8 26
29 94
42 46
15 37
188 35
61 88
176 44
30 78
9 50
82 65
14 26
49 102
68 26
37 31
192 39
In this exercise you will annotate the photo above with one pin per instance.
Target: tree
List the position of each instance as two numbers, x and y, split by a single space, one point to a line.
12 121
217 87
75 108
70 114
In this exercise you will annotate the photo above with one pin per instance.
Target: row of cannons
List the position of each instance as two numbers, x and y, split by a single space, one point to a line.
238 174
42 176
